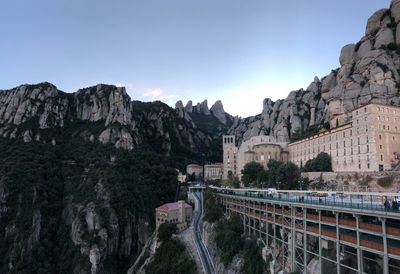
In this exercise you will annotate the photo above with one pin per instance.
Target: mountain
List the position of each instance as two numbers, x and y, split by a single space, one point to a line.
81 174
106 114
369 72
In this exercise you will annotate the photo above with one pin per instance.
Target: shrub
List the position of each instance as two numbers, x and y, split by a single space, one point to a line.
165 231
385 181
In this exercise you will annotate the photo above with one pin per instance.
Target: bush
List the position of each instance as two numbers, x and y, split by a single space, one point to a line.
228 238
213 210
253 261
251 172
171 258
321 163
165 231
385 181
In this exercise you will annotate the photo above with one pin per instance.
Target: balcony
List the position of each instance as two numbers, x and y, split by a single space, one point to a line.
328 233
372 245
313 229
394 250
348 238
346 222
311 216
278 210
327 219
371 227
393 231
299 214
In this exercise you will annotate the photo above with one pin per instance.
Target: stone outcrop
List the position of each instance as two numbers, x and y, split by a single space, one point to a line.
218 111
102 113
369 72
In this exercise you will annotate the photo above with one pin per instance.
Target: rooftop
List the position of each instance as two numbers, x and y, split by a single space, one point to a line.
172 206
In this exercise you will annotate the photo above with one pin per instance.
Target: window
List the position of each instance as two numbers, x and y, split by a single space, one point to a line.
380 137
380 146
365 109
394 138
381 158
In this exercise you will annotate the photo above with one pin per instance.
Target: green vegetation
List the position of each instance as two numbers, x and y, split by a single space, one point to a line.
302 133
57 181
165 231
232 181
171 258
321 163
385 181
251 172
278 175
213 211
230 242
253 262
228 238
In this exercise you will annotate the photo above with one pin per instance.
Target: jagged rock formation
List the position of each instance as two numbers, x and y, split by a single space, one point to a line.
28 111
369 72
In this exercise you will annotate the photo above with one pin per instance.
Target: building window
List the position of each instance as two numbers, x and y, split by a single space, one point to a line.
380 146
365 109
367 148
394 138
368 165
380 137
381 158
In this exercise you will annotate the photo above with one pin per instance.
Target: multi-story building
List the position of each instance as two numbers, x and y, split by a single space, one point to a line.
260 149
367 139
178 213
195 169
213 171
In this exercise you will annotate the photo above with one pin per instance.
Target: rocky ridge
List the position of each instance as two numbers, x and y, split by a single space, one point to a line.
369 72
102 113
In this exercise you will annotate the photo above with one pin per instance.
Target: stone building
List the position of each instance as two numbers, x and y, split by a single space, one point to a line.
366 139
178 213
213 171
260 149
195 169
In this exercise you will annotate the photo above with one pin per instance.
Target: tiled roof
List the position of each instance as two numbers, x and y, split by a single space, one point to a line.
172 206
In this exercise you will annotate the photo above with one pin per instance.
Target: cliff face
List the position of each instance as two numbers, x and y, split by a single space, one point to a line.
369 73
209 240
106 114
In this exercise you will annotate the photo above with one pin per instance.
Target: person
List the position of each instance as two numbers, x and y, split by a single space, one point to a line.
386 204
395 205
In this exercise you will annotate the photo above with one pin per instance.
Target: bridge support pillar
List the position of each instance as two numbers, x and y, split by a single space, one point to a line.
385 248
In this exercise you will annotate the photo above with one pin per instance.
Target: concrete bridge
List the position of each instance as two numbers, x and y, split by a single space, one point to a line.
321 232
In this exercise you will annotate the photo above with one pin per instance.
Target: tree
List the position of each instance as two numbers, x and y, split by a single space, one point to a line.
251 173
165 231
192 177
253 261
213 210
232 181
321 163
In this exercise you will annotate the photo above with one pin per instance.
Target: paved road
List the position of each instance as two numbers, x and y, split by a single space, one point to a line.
208 265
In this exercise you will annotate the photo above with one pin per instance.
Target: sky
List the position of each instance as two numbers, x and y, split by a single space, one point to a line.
236 51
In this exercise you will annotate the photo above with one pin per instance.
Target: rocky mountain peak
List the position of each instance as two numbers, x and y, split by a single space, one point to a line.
218 111
369 73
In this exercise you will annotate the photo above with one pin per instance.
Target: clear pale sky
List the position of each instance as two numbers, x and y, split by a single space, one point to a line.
235 50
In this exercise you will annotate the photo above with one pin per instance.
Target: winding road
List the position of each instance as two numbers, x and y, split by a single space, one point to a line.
205 255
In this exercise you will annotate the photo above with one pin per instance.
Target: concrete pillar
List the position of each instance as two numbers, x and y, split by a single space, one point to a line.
319 243
337 244
305 240
385 248
359 251
293 226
